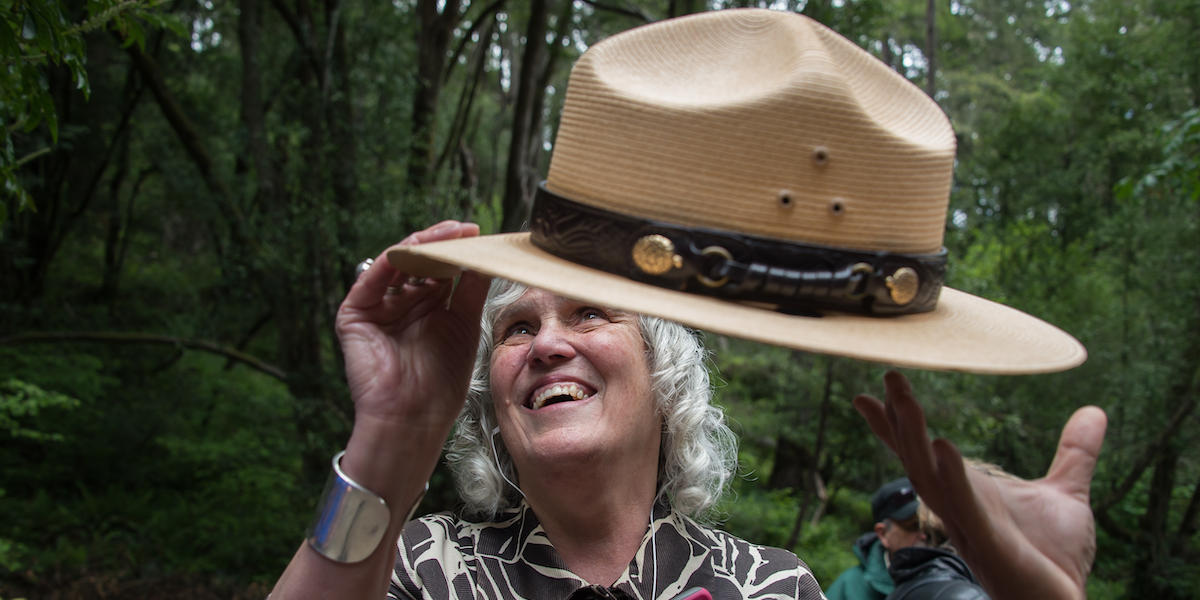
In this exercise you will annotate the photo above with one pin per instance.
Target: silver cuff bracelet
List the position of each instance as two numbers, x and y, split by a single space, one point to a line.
350 519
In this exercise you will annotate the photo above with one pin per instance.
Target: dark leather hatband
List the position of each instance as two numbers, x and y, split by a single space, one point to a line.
795 278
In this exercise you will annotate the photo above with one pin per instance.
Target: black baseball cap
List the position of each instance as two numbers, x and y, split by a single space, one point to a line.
895 500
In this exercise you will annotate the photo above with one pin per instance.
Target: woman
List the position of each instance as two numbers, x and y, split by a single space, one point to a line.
588 468
600 417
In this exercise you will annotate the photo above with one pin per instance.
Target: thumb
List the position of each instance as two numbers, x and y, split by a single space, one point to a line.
1078 449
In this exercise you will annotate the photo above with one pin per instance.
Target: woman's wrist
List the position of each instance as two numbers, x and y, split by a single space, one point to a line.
392 460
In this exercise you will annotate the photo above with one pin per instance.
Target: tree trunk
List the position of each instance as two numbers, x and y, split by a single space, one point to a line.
1152 568
887 57
433 39
810 475
517 193
252 114
562 29
931 46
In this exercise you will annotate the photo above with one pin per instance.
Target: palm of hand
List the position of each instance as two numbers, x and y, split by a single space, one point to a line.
409 346
1045 527
390 348
1022 539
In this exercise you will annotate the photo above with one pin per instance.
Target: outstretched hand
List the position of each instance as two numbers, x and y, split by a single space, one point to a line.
1022 539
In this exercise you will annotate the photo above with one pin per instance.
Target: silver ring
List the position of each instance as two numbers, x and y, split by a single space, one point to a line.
362 267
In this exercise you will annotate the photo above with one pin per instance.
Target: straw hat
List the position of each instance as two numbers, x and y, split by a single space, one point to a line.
754 174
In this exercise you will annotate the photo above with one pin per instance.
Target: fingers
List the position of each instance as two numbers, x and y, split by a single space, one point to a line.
371 284
874 413
911 436
1078 449
900 424
374 283
967 520
446 230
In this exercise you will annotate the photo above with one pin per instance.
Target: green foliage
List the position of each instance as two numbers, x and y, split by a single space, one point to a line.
765 516
1179 170
98 504
22 402
824 548
36 37
1099 589
768 517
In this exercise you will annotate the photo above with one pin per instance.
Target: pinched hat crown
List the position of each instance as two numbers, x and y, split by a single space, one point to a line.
763 122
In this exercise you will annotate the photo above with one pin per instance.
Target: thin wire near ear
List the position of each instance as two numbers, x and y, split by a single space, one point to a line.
496 457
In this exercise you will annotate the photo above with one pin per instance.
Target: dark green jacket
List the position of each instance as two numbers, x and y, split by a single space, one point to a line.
870 579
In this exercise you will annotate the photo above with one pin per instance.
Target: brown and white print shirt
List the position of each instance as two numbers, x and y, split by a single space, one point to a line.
444 557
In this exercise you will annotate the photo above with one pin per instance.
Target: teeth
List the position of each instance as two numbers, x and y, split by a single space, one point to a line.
559 389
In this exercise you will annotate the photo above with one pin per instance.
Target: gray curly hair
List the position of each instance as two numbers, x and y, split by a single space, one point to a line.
698 453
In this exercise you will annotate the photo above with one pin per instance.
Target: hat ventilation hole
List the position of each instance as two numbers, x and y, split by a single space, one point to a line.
820 155
785 198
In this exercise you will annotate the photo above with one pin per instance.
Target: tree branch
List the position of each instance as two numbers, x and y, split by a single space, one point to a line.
1103 518
301 35
1150 454
1187 525
465 103
334 19
121 337
249 335
480 19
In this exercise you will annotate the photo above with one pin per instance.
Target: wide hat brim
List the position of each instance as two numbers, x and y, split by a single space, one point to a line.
964 333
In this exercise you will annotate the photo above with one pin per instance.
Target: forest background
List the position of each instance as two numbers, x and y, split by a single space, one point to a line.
189 183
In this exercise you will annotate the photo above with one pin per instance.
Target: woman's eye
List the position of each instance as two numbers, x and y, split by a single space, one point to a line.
516 330
591 314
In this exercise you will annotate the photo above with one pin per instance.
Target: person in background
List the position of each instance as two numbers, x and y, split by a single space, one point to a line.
894 509
932 569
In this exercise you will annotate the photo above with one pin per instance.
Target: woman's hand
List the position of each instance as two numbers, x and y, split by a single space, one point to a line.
1022 539
409 345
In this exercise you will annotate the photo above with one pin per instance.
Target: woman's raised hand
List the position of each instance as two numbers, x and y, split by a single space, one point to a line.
1022 539
409 345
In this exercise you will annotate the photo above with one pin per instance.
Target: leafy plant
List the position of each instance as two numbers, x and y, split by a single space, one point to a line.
20 405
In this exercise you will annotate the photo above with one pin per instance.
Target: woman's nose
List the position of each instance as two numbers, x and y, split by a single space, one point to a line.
552 343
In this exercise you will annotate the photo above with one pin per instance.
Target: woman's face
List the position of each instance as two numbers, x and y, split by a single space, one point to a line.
570 383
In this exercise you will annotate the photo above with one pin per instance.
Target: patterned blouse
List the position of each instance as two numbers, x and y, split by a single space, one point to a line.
444 557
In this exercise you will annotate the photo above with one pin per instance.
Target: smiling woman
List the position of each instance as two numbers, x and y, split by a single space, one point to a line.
583 425
698 451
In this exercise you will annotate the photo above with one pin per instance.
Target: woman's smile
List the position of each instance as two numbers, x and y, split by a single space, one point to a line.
555 393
